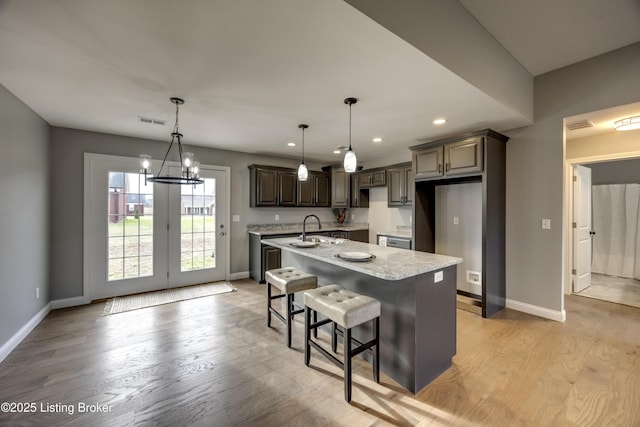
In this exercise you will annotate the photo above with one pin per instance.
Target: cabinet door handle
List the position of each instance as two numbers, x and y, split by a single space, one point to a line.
447 167
439 168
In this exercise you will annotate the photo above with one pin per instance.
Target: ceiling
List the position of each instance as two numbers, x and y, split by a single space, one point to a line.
250 71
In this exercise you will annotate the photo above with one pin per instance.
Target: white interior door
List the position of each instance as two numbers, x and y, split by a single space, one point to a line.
198 230
581 228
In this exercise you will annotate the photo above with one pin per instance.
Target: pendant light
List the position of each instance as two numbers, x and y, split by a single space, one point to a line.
303 172
350 161
190 173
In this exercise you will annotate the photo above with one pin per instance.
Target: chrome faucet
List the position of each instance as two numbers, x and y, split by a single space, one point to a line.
304 226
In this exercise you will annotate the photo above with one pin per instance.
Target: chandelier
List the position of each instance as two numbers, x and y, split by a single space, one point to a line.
190 169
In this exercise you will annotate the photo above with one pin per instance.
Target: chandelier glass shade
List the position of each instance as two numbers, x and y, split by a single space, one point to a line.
303 172
190 169
350 162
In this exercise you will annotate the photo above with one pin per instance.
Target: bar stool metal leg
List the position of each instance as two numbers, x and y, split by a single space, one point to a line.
376 351
268 305
307 327
289 318
347 364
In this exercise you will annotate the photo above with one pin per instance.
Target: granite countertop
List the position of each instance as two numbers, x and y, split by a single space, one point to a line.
296 228
389 263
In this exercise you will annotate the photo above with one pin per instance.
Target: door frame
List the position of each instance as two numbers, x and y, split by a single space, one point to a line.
568 208
86 258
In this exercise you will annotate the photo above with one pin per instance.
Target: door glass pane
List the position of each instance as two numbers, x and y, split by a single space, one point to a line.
130 226
198 226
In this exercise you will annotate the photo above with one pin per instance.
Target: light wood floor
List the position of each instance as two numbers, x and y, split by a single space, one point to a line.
213 362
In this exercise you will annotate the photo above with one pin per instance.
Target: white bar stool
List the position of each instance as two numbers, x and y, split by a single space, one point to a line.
347 309
289 281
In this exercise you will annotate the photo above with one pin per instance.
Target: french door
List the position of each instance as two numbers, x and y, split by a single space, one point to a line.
141 236
197 230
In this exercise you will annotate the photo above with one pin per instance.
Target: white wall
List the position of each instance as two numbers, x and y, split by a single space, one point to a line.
24 215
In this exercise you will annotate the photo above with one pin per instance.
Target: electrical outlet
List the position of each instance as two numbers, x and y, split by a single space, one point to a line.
546 224
236 218
474 277
277 217
456 220
37 293
437 277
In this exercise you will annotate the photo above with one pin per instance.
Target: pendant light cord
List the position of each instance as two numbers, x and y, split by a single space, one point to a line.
303 146
349 126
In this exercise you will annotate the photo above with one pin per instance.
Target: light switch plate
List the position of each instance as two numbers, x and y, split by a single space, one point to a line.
277 217
236 218
546 224
437 276
456 220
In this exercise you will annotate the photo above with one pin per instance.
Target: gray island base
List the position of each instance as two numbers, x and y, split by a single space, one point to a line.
418 317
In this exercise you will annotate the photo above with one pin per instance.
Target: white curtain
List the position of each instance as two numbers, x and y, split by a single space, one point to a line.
616 221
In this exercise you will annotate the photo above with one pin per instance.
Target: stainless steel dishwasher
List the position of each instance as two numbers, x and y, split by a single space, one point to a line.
394 241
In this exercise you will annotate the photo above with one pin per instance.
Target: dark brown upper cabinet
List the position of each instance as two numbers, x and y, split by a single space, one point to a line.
272 186
373 178
400 185
314 192
455 158
340 188
263 186
287 187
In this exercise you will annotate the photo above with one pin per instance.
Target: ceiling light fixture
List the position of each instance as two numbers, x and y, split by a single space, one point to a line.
439 121
190 171
628 123
303 172
350 161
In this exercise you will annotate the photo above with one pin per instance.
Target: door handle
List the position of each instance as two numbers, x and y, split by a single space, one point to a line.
593 233
222 233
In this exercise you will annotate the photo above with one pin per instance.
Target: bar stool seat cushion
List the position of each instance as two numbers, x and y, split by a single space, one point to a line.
289 280
346 308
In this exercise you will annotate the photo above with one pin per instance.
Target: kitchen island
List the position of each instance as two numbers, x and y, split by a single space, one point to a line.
417 291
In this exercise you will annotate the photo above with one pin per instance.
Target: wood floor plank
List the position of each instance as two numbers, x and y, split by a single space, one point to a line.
213 361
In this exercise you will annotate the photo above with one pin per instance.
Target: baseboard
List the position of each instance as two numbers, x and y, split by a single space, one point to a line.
17 338
558 316
239 275
68 302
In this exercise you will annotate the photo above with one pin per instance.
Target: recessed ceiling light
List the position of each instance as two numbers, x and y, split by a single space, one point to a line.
291 144
439 121
337 151
378 139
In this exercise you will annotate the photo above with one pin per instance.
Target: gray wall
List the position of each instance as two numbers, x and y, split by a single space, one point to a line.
463 239
535 161
67 149
24 214
616 172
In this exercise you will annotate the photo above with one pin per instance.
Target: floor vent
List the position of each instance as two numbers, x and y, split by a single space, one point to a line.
582 124
152 121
